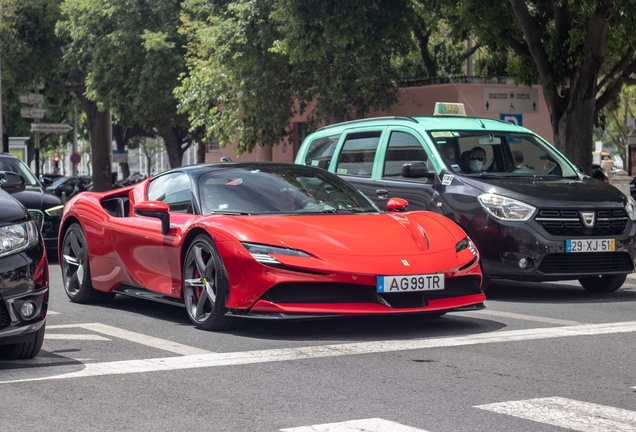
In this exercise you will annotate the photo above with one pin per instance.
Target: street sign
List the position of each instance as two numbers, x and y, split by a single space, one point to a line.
76 158
515 119
51 127
120 156
512 100
37 113
32 98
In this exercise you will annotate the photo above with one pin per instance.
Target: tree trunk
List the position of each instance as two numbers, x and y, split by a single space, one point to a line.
264 153
121 138
172 140
99 126
574 132
201 152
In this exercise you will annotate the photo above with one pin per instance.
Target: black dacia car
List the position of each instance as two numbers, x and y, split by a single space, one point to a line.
24 276
46 208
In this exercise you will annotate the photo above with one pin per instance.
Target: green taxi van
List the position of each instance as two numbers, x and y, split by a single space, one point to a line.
532 215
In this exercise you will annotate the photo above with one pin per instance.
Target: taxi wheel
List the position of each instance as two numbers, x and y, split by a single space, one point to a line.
76 272
603 283
205 285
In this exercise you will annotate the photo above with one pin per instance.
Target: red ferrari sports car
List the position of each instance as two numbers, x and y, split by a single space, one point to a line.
262 240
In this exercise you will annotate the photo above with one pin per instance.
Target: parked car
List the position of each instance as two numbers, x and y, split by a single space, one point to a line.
46 208
24 276
599 173
66 187
531 214
266 241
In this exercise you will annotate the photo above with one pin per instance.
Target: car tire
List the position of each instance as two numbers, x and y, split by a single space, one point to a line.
24 350
206 286
76 272
603 283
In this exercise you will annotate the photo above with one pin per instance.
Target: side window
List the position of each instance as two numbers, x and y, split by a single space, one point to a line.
402 148
321 150
173 189
358 153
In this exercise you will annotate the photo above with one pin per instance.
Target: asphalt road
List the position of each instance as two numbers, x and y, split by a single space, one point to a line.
541 357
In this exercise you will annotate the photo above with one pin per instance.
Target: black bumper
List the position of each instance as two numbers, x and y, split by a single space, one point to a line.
503 244
24 278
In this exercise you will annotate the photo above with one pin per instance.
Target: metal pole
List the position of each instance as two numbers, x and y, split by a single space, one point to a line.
74 137
37 148
5 150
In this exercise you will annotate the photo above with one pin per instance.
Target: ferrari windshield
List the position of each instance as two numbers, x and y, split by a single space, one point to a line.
500 154
279 189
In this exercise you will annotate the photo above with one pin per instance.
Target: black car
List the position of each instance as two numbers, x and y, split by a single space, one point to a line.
24 276
528 210
46 208
66 187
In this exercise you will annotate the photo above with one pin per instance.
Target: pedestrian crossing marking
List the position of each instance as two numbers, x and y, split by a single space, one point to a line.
304 353
365 425
569 414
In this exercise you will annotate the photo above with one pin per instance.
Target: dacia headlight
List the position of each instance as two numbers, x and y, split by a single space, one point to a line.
630 207
263 253
55 211
14 238
506 209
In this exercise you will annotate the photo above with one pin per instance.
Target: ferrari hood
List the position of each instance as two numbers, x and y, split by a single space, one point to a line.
385 234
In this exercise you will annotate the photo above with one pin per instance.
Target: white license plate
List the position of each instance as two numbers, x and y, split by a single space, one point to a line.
590 245
395 284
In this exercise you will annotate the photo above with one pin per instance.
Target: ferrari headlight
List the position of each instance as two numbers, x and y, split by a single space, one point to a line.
630 208
507 209
55 211
263 253
466 244
14 238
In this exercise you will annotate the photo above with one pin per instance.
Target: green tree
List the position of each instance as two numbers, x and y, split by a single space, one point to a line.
581 51
131 54
34 51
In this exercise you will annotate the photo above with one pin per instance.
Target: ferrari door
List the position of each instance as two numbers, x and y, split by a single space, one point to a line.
151 258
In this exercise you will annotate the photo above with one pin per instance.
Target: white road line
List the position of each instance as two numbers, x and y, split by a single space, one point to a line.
303 353
50 312
366 425
162 344
527 317
75 337
568 414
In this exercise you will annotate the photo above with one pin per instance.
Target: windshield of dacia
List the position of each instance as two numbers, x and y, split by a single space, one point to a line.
505 154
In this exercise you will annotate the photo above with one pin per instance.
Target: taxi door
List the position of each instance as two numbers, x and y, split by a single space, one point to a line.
403 145
356 156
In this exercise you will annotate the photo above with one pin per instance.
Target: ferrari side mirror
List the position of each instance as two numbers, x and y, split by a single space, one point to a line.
155 209
397 205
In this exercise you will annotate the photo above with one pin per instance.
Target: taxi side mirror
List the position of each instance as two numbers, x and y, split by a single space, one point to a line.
416 169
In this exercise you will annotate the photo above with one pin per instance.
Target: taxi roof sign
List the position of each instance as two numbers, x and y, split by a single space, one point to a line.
449 109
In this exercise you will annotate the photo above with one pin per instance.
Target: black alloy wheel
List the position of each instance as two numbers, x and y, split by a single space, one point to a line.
76 273
205 287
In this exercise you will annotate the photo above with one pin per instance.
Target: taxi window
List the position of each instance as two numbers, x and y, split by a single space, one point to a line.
358 153
402 148
321 150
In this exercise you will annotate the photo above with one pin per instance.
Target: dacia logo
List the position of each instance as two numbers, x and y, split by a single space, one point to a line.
588 219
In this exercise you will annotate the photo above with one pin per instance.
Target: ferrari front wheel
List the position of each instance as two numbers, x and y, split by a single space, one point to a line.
205 286
76 272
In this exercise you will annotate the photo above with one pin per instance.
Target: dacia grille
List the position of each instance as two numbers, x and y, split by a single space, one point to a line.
38 217
572 222
586 263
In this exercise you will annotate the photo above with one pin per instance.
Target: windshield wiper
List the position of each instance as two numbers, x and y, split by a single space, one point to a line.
231 212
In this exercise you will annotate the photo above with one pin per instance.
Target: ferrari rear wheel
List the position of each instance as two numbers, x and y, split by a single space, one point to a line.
76 272
205 287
